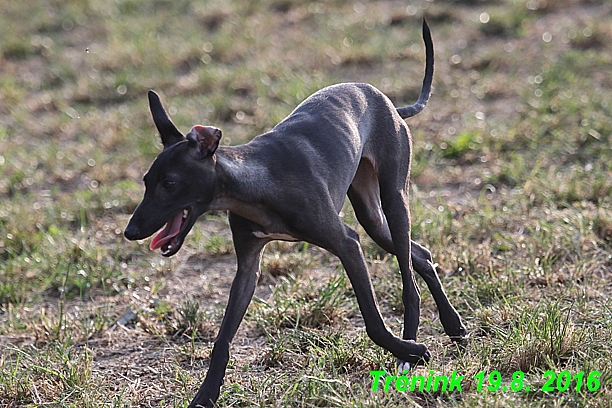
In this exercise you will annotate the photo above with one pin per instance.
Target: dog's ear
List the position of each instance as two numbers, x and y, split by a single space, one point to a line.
204 138
167 131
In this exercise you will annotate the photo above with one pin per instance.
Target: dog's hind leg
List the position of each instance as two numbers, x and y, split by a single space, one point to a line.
342 241
395 208
423 264
364 194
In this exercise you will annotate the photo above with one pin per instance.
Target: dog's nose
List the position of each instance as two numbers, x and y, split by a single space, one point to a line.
131 232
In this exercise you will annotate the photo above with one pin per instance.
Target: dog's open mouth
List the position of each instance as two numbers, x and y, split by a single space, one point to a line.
170 238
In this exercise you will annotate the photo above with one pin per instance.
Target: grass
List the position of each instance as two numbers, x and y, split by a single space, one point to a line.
512 193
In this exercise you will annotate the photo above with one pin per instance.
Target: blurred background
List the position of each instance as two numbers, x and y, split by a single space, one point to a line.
512 187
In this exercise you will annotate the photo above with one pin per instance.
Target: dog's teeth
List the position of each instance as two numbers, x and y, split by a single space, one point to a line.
185 213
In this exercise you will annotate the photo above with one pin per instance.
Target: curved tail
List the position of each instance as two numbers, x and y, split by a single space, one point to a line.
419 105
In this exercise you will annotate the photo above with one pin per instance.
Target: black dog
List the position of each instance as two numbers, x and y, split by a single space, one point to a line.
290 184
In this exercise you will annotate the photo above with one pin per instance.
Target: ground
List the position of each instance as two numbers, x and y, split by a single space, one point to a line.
511 191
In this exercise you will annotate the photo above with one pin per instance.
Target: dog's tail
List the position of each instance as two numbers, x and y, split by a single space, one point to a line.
419 105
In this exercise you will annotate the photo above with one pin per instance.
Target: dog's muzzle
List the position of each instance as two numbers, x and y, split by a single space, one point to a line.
132 232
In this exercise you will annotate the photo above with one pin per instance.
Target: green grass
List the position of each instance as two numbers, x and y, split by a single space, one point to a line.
512 193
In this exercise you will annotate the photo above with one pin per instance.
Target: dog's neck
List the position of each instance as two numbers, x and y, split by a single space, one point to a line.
240 180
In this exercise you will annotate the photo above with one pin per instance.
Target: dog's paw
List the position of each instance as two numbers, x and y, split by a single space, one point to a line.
460 340
458 334
403 367
424 358
418 354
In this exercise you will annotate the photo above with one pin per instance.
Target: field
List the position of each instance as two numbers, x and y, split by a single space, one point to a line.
511 192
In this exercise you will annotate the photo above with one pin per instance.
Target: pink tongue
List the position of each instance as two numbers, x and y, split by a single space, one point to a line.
170 231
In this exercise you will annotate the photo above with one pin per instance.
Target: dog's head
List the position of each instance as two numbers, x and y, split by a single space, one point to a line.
179 184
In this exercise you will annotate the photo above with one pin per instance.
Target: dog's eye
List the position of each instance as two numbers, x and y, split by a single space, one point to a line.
168 184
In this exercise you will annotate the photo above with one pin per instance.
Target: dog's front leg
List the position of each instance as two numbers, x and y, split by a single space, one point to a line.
248 254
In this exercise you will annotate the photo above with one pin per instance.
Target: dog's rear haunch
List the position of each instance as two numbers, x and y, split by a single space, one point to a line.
290 184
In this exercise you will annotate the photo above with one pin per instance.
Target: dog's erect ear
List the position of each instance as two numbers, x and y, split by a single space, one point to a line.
204 138
168 132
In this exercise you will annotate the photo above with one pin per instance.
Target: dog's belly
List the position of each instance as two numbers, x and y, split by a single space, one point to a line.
282 237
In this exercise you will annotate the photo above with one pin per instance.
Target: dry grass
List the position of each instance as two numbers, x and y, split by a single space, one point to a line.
511 192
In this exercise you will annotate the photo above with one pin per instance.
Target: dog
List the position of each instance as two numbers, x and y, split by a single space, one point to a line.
290 184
